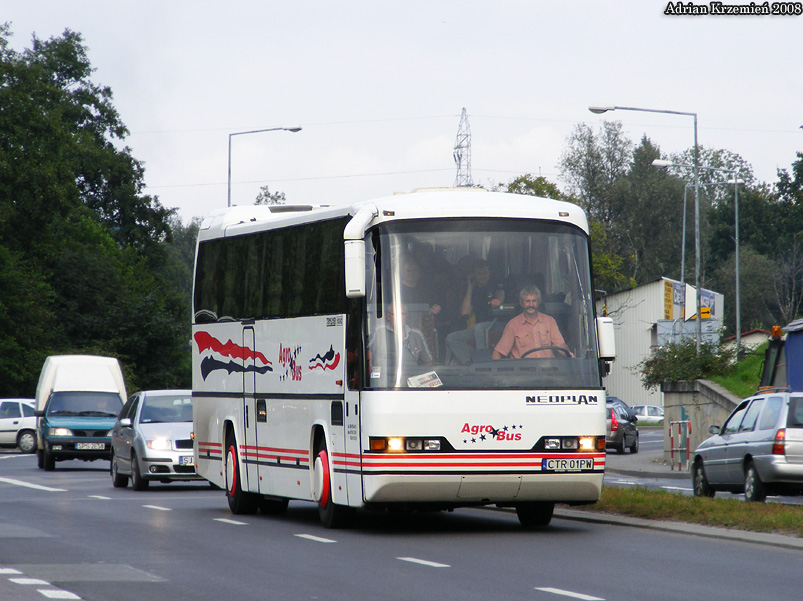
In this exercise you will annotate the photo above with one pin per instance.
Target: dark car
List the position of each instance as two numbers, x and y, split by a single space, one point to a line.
622 430
617 401
758 450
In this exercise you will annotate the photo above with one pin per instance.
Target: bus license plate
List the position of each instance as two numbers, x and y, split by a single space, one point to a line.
185 460
90 446
567 465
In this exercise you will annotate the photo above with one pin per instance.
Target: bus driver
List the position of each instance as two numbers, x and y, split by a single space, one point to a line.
531 330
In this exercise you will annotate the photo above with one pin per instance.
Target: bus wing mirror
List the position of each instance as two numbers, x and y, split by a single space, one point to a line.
354 239
355 268
605 336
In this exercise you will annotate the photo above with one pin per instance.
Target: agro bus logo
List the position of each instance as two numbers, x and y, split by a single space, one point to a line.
206 341
483 433
288 357
328 361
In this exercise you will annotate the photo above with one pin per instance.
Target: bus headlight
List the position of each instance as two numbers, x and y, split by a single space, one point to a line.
588 443
584 444
398 445
395 445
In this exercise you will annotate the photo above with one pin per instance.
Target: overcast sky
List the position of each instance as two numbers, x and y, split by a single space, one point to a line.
378 87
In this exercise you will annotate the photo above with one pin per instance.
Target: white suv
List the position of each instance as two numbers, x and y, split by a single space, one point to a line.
758 450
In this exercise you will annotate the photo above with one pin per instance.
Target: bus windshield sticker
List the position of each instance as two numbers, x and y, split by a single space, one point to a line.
427 380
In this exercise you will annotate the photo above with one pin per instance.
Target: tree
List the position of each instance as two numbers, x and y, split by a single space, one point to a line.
265 197
535 186
82 251
593 163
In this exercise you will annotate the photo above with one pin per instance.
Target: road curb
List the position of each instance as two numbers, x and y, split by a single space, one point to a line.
642 474
761 538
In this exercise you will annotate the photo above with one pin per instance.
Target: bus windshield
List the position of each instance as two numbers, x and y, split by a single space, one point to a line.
479 304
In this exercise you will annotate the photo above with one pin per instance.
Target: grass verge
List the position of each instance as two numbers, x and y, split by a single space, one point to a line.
724 513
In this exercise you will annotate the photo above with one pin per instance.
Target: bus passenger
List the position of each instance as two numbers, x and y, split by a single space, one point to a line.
529 330
383 344
480 296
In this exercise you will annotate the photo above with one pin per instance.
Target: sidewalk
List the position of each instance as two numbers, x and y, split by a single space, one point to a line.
644 464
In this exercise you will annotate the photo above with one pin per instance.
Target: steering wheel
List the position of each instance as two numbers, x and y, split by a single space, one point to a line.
546 348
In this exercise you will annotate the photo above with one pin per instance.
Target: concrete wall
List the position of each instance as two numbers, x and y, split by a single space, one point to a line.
702 402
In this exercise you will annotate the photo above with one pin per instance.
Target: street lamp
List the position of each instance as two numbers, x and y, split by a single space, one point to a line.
598 110
293 129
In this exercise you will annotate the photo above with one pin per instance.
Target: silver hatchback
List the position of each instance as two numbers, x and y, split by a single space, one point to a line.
758 450
151 439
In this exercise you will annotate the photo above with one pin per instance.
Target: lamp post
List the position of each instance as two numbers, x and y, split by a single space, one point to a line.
295 128
736 181
598 110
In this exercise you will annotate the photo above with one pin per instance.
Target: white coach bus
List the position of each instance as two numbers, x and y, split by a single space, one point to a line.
359 356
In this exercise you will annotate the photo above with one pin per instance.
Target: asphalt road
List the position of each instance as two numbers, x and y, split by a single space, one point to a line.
69 534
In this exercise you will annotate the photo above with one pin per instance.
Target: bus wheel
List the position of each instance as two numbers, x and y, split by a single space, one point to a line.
535 515
240 503
331 515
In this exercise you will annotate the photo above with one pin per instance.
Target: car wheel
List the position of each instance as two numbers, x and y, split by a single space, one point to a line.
240 502
118 479
48 461
754 490
634 446
137 481
26 441
700 482
330 514
535 515
620 447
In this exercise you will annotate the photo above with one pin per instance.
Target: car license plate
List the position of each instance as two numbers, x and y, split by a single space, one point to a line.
567 465
185 460
90 446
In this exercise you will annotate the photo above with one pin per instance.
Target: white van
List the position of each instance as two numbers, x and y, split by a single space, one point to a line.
77 401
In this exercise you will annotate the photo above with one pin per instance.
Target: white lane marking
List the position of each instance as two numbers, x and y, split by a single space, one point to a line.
58 594
29 581
686 488
101 497
9 571
317 539
29 485
558 591
424 562
233 522
157 508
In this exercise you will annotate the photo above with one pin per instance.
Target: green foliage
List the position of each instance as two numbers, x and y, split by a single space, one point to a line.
663 505
85 261
681 361
535 186
744 379
266 197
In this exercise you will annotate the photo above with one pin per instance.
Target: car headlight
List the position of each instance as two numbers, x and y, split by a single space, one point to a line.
59 432
159 444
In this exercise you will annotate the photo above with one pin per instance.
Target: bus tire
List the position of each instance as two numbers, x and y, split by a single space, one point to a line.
535 514
330 514
240 503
